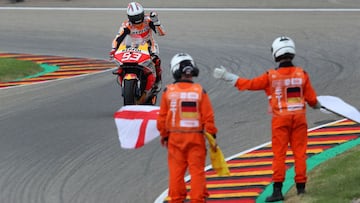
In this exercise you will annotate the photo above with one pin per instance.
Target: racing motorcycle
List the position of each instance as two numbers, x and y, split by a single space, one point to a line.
134 62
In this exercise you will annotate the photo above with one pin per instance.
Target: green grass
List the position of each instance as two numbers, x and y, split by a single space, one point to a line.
12 69
335 181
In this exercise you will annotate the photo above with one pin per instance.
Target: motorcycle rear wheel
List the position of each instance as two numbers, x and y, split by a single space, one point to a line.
129 93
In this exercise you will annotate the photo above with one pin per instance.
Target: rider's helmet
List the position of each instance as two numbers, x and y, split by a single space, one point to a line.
283 47
183 63
135 13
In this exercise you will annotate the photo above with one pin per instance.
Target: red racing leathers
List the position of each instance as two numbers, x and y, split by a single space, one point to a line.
185 113
145 31
289 89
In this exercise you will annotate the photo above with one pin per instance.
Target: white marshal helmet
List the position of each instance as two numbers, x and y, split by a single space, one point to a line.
183 63
283 47
135 13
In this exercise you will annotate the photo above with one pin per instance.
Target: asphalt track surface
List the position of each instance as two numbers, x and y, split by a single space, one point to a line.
58 141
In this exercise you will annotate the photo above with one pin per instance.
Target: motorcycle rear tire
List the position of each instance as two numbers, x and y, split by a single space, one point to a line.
129 92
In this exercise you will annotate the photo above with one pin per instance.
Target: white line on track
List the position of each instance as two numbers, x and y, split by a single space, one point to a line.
163 195
192 9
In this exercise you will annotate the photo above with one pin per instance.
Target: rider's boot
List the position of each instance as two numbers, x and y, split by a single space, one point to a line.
158 70
150 92
120 76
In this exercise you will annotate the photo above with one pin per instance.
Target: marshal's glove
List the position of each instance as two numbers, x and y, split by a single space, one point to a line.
221 73
164 141
154 18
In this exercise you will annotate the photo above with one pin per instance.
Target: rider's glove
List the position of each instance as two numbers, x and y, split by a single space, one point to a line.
112 53
154 18
221 73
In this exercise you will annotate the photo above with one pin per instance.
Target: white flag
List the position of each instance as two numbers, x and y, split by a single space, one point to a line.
339 107
136 125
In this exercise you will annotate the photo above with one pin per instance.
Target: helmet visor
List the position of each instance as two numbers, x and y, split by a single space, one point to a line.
136 19
186 66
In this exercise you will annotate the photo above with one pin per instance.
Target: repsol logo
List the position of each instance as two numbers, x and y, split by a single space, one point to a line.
137 32
133 49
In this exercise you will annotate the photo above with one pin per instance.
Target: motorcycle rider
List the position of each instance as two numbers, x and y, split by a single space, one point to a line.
139 25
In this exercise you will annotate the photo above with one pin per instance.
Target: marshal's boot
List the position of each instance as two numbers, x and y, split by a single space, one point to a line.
300 187
277 194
